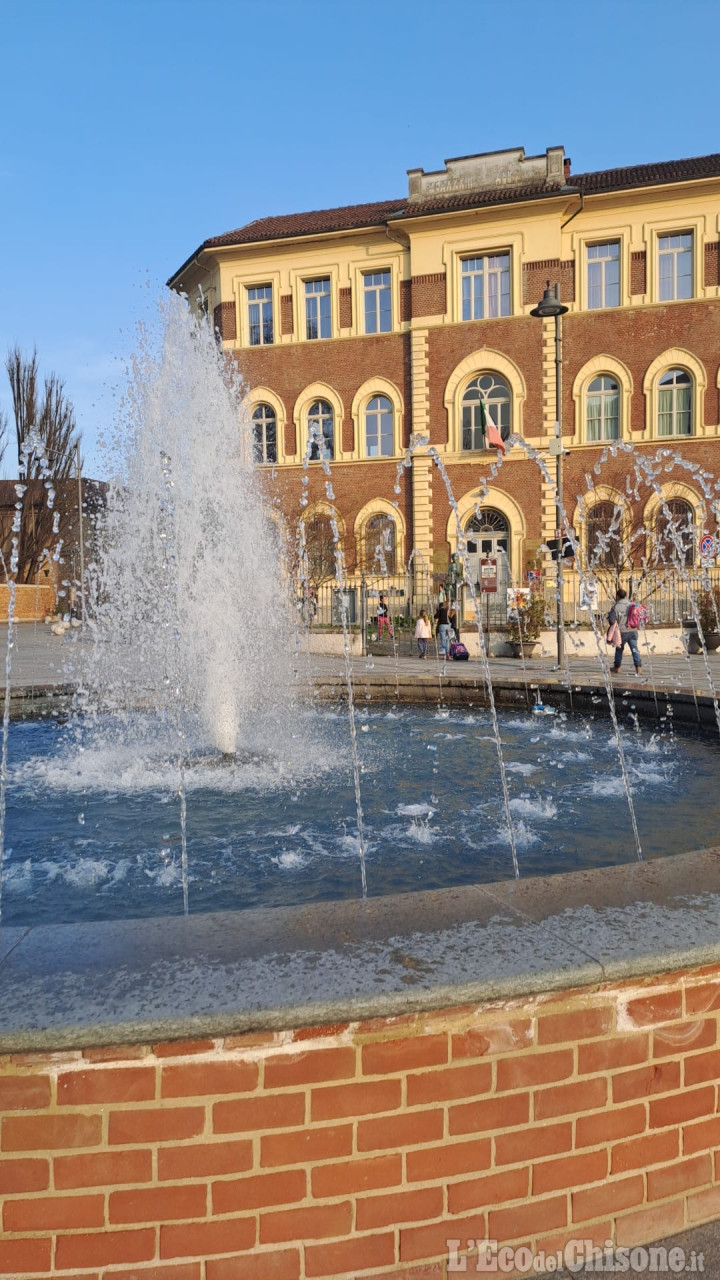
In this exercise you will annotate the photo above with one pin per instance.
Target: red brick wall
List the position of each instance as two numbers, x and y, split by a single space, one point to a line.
345 308
286 313
712 277
519 338
361 1149
225 320
429 295
557 271
638 272
637 337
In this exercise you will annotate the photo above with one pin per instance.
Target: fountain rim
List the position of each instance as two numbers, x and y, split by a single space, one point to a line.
114 983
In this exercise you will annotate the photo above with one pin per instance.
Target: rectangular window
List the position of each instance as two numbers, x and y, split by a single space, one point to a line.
318 316
675 266
486 286
603 275
378 310
260 315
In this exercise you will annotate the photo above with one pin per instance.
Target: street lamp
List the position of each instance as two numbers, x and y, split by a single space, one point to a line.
550 305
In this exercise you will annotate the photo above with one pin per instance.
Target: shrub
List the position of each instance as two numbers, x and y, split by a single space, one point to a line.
528 620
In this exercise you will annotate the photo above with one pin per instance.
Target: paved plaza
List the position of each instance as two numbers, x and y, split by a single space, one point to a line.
40 658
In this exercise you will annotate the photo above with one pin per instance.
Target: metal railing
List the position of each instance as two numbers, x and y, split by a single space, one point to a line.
665 593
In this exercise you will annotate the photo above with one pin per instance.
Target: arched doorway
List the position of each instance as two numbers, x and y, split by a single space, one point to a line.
488 537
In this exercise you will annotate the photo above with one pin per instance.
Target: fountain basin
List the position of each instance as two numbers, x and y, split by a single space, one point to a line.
93 829
350 1086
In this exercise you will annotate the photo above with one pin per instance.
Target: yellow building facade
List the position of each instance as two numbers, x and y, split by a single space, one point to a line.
364 329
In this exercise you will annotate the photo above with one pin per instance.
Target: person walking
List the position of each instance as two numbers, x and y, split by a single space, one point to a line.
453 620
383 619
423 633
444 628
628 635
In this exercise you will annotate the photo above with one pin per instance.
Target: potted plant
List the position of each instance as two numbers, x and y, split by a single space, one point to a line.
708 610
525 624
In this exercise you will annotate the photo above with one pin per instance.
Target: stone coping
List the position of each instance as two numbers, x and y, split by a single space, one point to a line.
80 986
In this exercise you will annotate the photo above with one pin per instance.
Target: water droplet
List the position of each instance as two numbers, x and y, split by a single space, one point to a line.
81 819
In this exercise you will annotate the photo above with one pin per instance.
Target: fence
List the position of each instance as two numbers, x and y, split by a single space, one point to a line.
667 593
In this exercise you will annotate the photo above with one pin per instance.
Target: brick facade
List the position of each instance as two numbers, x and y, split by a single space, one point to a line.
545 231
364 1148
535 276
712 264
638 272
428 294
225 320
345 308
286 313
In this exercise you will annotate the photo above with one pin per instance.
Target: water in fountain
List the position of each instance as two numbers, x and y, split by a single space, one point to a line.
195 657
192 603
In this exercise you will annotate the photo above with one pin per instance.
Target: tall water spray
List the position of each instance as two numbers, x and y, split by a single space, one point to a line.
192 613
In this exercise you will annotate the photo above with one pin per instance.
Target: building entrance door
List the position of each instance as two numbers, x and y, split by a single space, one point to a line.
489 535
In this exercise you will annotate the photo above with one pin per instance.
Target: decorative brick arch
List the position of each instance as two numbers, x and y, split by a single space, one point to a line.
263 395
592 498
308 396
674 358
675 489
485 360
498 500
322 508
595 368
377 507
376 387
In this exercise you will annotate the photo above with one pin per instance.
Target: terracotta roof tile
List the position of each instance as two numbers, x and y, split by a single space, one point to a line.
297 224
643 175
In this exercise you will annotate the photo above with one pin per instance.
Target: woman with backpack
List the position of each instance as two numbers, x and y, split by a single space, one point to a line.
626 615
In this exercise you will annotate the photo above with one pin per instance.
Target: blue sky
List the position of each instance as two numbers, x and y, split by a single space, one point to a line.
135 129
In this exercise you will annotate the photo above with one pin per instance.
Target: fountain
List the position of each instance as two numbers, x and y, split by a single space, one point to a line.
310 1077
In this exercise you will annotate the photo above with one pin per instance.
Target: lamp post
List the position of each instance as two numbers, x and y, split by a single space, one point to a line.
550 305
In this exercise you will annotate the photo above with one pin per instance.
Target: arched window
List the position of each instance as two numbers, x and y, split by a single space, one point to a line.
604 536
675 533
675 403
379 428
380 544
485 399
321 431
319 545
265 434
602 410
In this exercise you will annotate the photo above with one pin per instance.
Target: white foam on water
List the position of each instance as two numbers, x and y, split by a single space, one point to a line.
524 835
534 807
521 766
414 810
289 860
421 832
607 786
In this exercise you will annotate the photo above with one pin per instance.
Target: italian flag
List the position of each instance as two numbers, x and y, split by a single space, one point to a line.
492 435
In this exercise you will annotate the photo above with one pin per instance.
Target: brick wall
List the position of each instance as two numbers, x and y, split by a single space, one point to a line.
712 258
345 308
31 603
638 272
360 1149
225 321
286 313
535 276
428 294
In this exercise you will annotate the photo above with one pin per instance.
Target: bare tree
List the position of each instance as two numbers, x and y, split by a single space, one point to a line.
47 439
